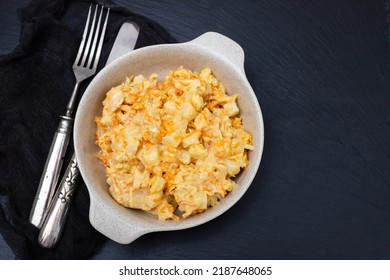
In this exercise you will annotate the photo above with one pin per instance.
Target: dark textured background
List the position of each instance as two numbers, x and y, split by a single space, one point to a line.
321 72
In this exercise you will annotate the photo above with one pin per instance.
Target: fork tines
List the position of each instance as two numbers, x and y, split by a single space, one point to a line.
92 42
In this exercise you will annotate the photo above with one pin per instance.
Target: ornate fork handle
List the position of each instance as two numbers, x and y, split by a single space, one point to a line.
48 181
52 228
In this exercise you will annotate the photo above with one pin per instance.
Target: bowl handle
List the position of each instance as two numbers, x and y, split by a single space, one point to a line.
224 46
111 224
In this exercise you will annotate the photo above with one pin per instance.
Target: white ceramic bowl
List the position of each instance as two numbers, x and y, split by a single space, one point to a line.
226 59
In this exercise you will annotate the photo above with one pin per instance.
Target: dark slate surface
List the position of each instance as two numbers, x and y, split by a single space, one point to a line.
321 72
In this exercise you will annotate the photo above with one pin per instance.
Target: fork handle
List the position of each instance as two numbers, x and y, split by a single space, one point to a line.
51 171
52 228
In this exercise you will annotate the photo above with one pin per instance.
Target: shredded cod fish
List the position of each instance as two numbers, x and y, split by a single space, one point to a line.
173 145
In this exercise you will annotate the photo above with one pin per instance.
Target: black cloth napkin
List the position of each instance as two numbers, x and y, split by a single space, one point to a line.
36 81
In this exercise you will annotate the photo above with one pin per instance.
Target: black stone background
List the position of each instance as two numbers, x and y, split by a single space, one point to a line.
321 72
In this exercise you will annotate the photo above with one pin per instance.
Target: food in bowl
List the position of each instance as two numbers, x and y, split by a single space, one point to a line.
173 145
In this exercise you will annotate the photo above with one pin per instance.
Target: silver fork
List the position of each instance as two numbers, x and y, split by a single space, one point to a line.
84 66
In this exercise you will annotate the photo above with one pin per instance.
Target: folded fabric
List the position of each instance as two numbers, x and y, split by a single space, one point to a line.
36 81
